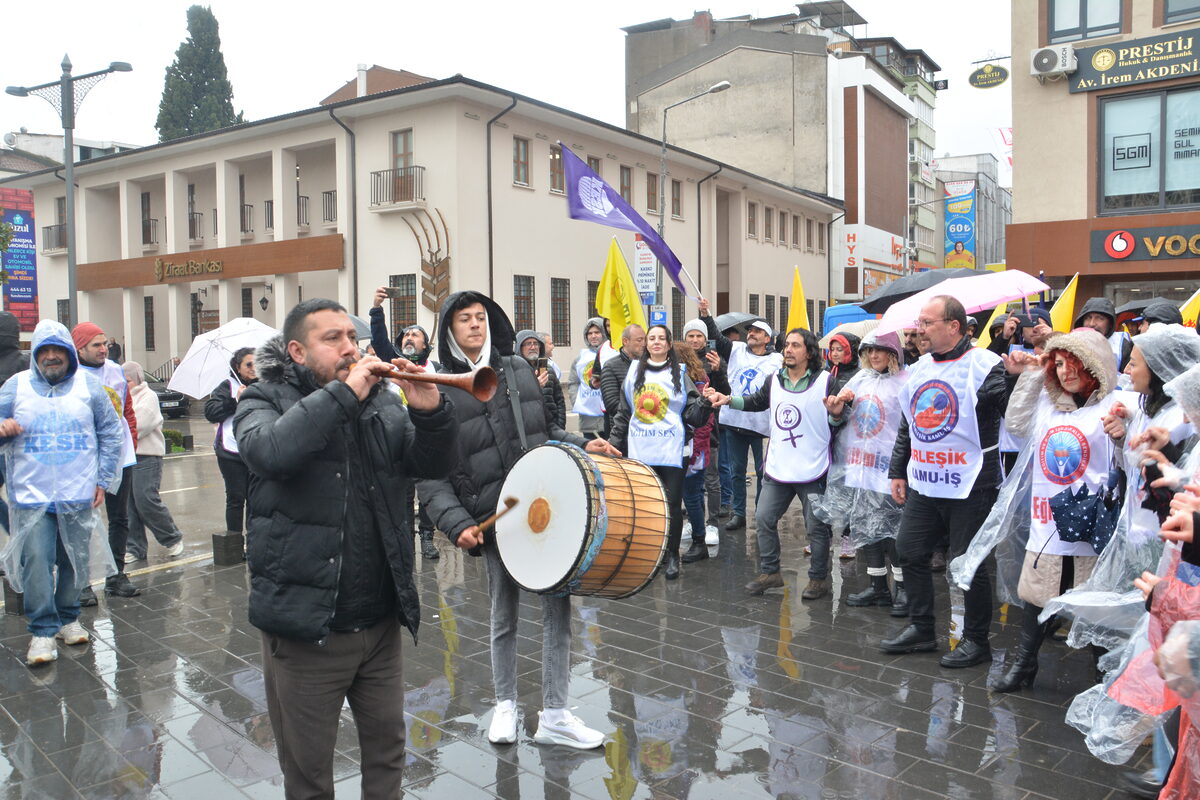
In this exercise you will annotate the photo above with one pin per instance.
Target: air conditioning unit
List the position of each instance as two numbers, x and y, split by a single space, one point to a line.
1047 62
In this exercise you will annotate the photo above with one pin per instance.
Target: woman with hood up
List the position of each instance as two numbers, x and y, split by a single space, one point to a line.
1060 402
858 494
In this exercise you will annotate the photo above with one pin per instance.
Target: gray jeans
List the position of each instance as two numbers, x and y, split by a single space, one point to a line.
556 637
146 509
773 501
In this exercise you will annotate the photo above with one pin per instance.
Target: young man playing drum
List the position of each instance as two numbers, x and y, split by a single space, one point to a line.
475 332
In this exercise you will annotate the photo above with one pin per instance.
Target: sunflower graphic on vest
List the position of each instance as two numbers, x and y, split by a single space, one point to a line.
650 403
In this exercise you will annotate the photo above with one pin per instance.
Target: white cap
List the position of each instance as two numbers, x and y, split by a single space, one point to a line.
762 326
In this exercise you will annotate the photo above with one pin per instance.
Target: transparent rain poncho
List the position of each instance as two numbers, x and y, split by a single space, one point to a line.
71 436
857 490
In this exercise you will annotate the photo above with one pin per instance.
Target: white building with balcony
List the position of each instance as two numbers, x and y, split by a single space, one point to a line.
447 185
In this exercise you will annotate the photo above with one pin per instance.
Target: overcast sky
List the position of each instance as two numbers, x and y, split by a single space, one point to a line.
284 57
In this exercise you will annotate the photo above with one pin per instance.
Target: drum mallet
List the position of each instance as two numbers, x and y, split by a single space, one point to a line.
509 504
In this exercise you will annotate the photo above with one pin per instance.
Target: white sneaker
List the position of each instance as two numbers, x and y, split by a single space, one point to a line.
175 549
711 537
130 558
503 729
41 651
686 536
73 633
559 726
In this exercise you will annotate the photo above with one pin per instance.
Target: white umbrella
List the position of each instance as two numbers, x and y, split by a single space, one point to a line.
859 328
207 361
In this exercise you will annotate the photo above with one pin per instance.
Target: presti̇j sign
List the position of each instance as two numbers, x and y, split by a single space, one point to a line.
1136 61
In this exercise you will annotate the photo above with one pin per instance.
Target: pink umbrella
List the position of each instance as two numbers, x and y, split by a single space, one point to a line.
976 293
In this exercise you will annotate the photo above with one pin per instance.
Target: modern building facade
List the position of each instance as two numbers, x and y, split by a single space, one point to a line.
992 202
440 186
1106 156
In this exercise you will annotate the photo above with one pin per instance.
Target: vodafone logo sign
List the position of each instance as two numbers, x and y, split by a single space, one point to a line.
1119 244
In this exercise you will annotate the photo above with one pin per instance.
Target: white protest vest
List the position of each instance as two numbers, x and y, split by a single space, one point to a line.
656 433
747 374
798 450
1116 341
1073 452
113 378
588 401
607 353
55 458
225 426
939 403
864 446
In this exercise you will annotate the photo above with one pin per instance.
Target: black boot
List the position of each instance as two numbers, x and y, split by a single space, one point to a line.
672 565
900 601
1024 666
428 551
877 594
697 552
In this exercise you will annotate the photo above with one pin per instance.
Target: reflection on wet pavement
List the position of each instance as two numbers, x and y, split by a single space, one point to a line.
702 691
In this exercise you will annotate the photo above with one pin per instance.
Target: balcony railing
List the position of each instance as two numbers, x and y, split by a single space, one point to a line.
329 206
247 218
195 226
394 186
268 215
150 232
54 237
302 211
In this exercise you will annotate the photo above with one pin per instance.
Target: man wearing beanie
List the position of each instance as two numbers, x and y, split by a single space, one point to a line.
92 347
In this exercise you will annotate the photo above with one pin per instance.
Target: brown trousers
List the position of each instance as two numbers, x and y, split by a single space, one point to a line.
306 686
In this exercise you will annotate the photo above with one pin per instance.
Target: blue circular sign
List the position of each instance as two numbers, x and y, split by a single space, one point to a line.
1064 454
934 410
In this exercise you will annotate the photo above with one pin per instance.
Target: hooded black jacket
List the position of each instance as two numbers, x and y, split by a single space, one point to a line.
488 442
303 443
552 392
1102 305
12 360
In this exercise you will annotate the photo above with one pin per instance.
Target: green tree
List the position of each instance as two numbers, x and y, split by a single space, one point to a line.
197 95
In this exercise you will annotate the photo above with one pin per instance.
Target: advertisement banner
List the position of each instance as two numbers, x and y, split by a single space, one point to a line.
1173 55
645 269
960 224
20 265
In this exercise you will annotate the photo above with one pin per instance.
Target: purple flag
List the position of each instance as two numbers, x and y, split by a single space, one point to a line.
590 198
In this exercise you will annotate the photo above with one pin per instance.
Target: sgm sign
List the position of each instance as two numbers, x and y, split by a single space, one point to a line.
1146 244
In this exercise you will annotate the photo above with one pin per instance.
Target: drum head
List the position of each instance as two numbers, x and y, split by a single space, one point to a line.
541 540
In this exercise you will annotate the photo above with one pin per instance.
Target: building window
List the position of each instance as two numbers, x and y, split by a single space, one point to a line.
783 227
1083 19
1180 10
808 235
593 288
523 302
557 181
404 304
752 220
64 312
676 199
148 312
768 224
819 321
247 301
60 210
753 306
402 149
795 230
814 322
770 315
1148 163
560 311
820 237
593 163
783 312
520 161
652 192
627 184
677 312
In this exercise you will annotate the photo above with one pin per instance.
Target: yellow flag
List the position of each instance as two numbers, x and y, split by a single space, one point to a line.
1062 313
985 335
798 309
617 298
1191 309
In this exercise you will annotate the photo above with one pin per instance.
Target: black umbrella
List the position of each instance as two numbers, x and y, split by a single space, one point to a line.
890 293
735 319
1135 306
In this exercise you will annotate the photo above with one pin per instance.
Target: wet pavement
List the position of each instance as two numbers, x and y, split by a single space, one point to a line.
702 692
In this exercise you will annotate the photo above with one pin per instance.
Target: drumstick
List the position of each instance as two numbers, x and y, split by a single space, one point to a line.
509 504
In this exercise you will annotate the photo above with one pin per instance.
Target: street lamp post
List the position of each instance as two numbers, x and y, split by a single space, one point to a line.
66 101
662 178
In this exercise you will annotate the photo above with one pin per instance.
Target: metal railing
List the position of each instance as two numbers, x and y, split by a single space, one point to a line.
163 372
302 210
149 231
329 206
214 219
268 215
247 218
54 237
390 186
195 226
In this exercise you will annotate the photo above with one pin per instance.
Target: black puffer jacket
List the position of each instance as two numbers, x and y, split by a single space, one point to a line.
12 360
302 442
220 406
552 392
612 383
488 442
